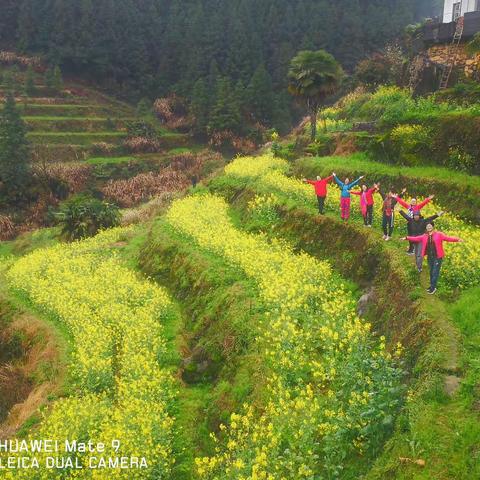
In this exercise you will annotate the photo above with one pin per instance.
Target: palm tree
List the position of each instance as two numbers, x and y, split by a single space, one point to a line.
312 77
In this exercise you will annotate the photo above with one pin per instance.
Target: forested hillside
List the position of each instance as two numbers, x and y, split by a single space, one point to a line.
154 47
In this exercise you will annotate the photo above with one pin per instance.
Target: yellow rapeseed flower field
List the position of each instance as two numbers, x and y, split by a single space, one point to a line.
120 389
312 343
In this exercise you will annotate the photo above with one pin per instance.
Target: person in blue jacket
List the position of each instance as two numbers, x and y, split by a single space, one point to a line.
345 187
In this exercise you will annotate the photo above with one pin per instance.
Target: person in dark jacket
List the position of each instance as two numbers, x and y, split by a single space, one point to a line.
417 225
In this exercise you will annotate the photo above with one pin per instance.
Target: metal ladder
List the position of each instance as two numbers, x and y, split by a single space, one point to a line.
457 37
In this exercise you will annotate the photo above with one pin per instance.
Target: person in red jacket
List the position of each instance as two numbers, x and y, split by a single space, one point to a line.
320 185
432 247
367 202
413 207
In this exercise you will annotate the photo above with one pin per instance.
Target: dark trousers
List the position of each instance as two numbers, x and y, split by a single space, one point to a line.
435 265
321 203
368 217
387 224
411 247
418 247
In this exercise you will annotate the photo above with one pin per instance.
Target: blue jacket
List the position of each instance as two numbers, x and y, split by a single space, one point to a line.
346 188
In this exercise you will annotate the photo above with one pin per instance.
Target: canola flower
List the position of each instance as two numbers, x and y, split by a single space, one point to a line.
267 175
330 389
121 391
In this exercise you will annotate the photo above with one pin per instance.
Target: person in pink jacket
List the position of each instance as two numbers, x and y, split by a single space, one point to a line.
366 202
432 247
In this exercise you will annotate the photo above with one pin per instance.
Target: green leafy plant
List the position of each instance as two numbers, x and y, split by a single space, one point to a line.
83 216
141 129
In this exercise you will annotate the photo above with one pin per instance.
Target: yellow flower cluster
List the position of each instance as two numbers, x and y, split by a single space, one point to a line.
262 201
462 263
310 335
255 166
121 391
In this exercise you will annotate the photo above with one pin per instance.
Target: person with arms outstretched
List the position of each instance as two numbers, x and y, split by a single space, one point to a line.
432 247
412 208
417 225
320 185
388 210
366 202
345 188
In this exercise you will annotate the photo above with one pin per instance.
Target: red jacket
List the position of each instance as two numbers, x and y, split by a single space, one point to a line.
410 207
438 239
366 199
320 186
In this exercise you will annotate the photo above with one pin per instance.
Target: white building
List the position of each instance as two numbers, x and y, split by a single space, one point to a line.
454 9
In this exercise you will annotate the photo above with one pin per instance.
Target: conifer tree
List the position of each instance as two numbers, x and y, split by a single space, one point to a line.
226 113
260 95
14 152
30 89
57 79
200 106
49 79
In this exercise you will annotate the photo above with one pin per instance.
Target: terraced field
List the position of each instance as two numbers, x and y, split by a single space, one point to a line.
72 121
234 333
86 142
251 359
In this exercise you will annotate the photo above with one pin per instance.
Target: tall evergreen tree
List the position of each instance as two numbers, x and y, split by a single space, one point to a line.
49 79
260 96
14 152
226 113
57 79
30 82
200 106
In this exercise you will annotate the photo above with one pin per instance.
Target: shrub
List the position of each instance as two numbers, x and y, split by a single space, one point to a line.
351 103
141 129
83 217
388 105
103 148
142 145
460 160
411 143
459 131
374 71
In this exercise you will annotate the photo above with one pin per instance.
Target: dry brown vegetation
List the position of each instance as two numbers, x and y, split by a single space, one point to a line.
7 228
142 145
12 58
74 175
144 187
173 112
